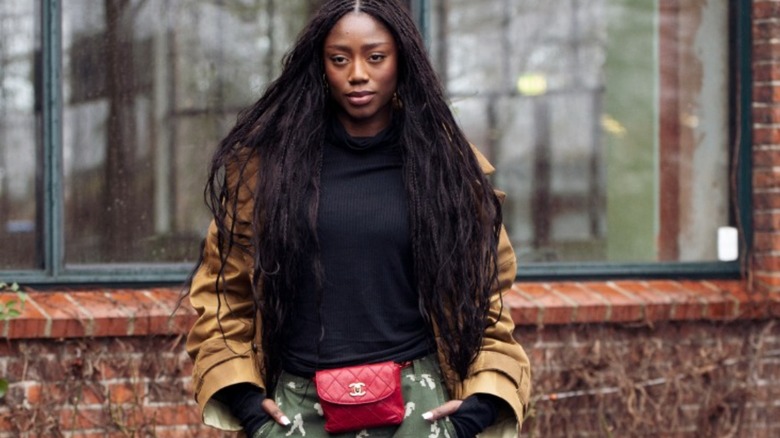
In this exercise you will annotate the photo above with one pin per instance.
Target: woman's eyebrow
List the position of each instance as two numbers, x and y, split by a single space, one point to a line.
367 46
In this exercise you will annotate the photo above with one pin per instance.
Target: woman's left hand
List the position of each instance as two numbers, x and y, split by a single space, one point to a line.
272 409
442 411
469 417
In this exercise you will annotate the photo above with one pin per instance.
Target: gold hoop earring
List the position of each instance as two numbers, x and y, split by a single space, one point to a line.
397 102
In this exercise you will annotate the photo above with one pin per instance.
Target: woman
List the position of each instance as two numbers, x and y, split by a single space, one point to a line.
354 225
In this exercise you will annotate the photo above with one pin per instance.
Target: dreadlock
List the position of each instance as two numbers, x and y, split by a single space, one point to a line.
455 217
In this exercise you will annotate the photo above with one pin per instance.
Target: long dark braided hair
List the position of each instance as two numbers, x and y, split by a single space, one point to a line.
455 217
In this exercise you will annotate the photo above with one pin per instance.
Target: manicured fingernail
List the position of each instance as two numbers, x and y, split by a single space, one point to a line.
428 415
285 420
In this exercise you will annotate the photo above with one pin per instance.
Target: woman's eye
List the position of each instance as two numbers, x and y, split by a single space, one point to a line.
338 59
376 57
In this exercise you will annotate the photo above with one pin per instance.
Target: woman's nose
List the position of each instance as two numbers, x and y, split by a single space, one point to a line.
358 73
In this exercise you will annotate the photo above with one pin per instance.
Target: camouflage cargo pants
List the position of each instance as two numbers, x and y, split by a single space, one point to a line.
422 390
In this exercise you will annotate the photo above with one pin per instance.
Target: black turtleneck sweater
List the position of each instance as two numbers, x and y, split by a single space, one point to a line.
369 308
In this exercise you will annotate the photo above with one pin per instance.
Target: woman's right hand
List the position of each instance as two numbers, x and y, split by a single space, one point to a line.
272 409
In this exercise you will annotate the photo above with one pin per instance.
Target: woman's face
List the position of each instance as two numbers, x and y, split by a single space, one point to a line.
361 69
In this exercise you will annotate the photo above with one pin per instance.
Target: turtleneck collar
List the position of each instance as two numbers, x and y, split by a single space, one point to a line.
338 135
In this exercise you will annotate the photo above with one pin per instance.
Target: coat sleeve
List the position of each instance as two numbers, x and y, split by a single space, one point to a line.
223 349
502 367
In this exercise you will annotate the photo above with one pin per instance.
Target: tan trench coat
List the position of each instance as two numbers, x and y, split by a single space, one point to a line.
501 367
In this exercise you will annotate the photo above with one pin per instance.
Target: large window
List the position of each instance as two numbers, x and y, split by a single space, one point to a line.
148 90
608 121
612 124
131 97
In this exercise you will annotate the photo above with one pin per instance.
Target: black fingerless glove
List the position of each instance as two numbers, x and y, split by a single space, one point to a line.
244 401
475 414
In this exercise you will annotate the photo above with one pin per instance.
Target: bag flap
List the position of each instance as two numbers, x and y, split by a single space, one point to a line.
359 384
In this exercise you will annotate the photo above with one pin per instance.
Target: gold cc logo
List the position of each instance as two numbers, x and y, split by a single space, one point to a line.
357 389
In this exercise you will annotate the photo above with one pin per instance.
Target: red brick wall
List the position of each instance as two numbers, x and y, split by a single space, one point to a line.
766 143
694 379
98 387
704 356
96 364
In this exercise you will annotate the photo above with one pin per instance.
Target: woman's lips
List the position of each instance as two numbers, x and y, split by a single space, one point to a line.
360 98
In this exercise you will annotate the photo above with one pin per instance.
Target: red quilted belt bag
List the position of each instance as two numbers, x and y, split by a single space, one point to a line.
360 397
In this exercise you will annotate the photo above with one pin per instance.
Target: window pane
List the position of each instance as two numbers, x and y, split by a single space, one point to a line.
607 121
150 87
20 146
